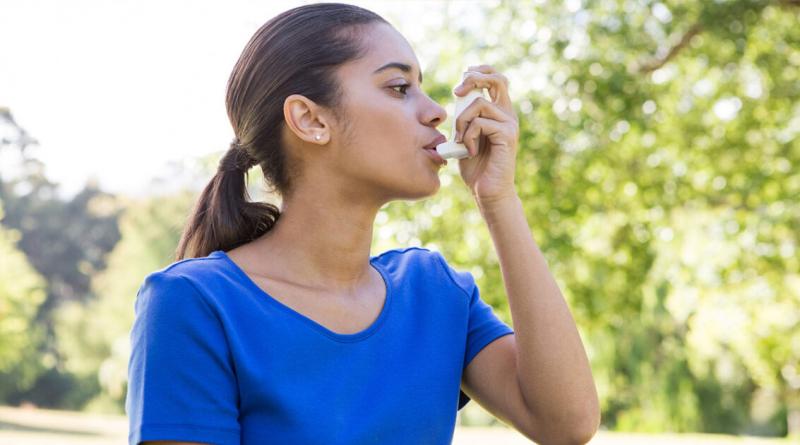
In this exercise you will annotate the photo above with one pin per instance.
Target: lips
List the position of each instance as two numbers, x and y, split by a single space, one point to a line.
430 149
436 141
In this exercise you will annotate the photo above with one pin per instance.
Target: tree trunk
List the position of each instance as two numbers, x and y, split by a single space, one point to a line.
793 413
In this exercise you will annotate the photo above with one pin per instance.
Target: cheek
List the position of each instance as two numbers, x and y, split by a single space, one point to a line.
398 137
383 133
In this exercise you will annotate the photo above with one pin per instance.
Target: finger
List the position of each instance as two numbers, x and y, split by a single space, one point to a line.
478 127
479 107
476 79
486 69
496 83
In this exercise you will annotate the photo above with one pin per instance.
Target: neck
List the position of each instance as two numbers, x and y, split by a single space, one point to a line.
320 242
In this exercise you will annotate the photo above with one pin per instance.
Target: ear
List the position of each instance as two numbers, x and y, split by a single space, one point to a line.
306 119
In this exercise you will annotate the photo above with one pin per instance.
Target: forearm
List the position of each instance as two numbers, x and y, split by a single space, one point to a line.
553 370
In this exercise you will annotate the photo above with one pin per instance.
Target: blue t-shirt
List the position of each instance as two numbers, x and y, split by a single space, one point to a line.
215 359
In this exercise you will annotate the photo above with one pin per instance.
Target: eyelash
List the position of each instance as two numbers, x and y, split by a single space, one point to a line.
405 85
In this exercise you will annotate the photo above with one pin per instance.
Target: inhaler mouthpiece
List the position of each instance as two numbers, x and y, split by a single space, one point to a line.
451 149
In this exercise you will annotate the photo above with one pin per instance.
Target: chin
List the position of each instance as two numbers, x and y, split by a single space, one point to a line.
432 187
420 189
422 182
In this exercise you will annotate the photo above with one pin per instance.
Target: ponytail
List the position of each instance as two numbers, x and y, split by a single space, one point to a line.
224 217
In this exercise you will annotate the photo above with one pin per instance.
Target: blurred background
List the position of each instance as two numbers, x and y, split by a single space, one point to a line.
659 167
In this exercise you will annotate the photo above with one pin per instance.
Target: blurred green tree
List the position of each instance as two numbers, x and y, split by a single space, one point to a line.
22 291
65 241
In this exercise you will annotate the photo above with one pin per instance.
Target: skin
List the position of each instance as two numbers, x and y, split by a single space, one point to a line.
538 380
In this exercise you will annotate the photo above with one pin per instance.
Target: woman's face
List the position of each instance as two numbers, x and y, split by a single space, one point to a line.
389 119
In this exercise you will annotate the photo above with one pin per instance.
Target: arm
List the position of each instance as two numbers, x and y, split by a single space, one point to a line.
552 375
538 379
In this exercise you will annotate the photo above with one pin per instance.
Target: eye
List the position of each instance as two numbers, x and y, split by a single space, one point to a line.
405 86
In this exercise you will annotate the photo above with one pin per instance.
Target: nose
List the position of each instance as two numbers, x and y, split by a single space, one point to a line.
433 114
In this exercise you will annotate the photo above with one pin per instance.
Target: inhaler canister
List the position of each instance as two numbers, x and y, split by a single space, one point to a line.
451 149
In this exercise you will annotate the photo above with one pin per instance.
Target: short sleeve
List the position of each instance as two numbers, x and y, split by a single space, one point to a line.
181 381
483 326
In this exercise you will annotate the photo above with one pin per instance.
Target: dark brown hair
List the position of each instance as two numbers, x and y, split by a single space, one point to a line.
295 52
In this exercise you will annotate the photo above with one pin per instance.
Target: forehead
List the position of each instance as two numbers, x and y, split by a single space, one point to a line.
384 44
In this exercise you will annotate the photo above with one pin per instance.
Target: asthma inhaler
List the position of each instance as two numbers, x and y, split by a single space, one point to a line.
452 149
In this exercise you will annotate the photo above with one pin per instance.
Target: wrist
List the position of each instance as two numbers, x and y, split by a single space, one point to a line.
490 206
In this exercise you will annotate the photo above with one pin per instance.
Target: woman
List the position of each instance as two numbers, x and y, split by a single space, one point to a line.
277 326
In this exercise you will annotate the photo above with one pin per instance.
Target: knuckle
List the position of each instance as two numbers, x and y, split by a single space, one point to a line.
500 78
514 131
468 132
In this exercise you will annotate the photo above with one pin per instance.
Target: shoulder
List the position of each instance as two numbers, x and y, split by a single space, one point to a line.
193 268
409 259
429 263
183 279
415 252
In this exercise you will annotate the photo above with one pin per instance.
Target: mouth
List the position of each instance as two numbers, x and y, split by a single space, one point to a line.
436 141
430 149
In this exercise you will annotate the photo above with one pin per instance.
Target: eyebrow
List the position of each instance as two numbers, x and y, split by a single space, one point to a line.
401 66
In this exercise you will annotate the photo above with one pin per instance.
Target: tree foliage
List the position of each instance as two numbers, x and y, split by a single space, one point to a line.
22 291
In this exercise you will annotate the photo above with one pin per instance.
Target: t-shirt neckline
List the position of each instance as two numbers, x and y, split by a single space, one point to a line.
347 338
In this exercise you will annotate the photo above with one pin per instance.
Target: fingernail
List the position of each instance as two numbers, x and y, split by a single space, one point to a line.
458 136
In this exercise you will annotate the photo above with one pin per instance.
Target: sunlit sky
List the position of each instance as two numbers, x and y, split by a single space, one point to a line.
115 89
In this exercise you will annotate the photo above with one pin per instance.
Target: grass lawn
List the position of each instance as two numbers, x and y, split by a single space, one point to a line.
28 426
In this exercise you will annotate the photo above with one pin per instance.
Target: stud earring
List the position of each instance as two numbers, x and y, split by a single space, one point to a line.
317 137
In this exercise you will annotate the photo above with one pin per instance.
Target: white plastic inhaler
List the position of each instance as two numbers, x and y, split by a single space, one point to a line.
451 149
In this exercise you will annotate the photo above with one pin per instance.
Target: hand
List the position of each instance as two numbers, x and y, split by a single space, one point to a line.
490 132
